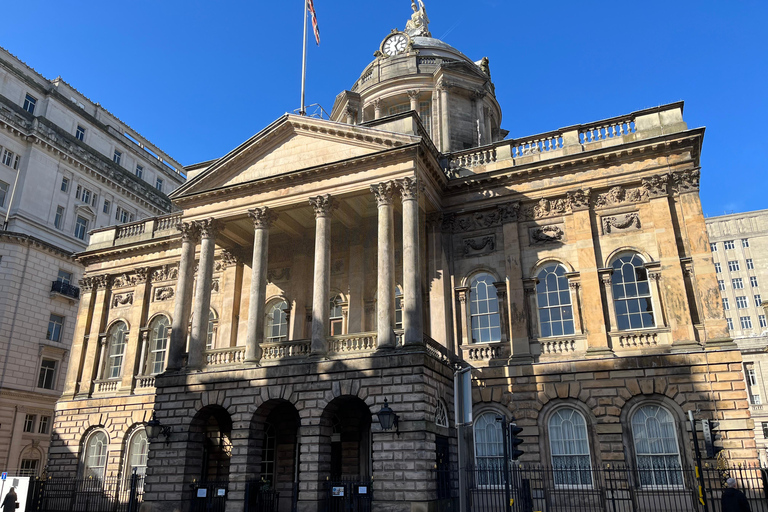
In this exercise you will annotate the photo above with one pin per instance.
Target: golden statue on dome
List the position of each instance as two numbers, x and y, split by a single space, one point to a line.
418 25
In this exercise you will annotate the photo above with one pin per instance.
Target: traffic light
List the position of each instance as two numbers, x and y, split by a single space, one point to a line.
515 441
711 436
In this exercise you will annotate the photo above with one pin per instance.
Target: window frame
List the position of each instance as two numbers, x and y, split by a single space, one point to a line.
114 362
30 420
718 268
81 228
138 434
86 469
336 307
737 283
750 264
58 219
626 298
44 425
745 243
139 171
64 187
734 266
117 157
50 373
211 330
155 337
745 322
3 193
55 327
543 289
753 282
492 313
496 460
729 245
550 440
729 323
80 133
159 183
742 302
30 103
269 325
636 454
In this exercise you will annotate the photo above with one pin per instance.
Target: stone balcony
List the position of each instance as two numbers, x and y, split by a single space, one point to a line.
643 124
140 231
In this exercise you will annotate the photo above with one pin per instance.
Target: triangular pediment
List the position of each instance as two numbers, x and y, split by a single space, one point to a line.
291 144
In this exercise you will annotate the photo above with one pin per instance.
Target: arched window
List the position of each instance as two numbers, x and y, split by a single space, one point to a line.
632 293
441 414
159 333
398 308
336 317
116 340
276 326
655 440
213 323
569 447
484 310
268 455
489 441
138 448
554 300
95 455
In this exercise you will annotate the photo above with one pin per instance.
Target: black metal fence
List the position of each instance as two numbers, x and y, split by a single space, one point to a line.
344 495
112 494
611 488
209 496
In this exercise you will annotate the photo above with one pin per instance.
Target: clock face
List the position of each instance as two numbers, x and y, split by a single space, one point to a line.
395 44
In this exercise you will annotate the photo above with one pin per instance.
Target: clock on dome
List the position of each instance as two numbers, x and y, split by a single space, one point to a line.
395 44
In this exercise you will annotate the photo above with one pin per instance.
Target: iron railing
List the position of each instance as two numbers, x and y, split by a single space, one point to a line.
65 289
111 494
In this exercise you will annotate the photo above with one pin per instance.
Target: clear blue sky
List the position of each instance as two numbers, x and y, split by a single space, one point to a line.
199 77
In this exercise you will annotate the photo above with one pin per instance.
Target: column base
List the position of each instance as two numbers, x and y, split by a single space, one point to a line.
720 343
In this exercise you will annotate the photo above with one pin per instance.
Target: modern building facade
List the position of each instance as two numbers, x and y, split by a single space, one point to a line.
67 166
325 268
739 245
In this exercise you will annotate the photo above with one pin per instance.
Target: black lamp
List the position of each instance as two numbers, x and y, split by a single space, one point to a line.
388 418
155 429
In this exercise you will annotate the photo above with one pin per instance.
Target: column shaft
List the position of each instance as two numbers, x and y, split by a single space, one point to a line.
385 284
202 305
412 300
183 305
323 206
262 218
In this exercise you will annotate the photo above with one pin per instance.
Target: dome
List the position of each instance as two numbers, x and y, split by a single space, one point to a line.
431 47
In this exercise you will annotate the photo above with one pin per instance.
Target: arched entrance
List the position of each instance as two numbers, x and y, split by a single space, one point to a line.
273 469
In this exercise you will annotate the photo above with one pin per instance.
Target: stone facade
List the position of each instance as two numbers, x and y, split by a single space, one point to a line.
58 180
323 267
739 244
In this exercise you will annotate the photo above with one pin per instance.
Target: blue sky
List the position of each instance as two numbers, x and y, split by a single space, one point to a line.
197 78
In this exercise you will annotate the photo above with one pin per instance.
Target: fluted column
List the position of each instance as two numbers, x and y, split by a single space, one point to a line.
202 307
262 218
323 205
412 300
385 291
182 308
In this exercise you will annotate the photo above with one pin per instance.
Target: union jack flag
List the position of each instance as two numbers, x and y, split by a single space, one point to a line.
315 27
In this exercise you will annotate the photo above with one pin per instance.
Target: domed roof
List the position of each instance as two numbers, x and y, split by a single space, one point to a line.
431 47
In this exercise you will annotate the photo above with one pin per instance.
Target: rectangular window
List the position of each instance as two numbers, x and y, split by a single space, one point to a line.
726 304
425 114
765 430
123 216
713 247
756 400
95 200
738 283
106 207
3 193
741 302
721 284
47 374
29 422
85 196
28 467
29 103
728 244
159 184
745 242
10 159
80 133
758 301
45 423
733 266
746 322
750 264
751 375
55 326
117 157
58 221
64 277
81 227
718 268
753 281
64 184
139 171
729 321
763 322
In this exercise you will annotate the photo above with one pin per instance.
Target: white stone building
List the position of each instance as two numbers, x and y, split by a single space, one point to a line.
67 166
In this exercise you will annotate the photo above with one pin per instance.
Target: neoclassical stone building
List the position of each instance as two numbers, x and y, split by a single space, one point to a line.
325 266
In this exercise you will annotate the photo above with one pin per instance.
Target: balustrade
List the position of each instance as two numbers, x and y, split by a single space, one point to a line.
640 340
482 352
167 223
352 343
285 350
106 385
130 230
223 356
539 144
607 130
144 382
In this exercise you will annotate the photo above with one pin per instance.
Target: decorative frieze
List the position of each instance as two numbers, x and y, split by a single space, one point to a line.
126 280
621 223
166 273
122 299
163 293
686 181
618 196
479 246
554 233
656 186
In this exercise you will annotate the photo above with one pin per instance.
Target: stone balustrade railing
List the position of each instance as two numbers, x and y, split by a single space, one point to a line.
352 343
640 340
567 141
130 230
437 351
134 232
285 350
167 223
106 385
560 347
145 382
224 356
482 352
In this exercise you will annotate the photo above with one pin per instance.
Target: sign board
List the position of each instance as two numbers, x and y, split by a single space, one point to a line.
338 491
221 492
363 489
202 493
462 396
4 475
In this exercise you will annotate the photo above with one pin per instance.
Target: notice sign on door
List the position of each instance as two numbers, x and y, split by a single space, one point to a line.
221 492
338 491
202 493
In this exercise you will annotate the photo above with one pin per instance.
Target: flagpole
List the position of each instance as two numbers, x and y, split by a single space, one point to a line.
303 111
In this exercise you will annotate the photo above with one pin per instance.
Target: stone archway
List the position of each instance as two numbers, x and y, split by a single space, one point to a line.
209 446
345 426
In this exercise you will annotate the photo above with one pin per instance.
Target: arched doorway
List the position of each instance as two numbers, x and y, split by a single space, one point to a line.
210 445
273 469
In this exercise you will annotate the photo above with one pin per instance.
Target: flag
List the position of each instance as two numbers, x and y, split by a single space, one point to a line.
315 27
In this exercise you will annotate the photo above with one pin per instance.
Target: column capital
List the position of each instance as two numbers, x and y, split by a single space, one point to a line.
606 275
86 283
323 205
102 281
462 293
413 93
409 187
208 227
384 192
376 103
656 186
501 289
141 275
189 231
262 217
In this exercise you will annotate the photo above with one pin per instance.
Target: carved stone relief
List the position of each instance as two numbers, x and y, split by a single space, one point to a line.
282 274
337 267
617 196
620 223
163 293
122 299
215 285
166 273
547 234
479 246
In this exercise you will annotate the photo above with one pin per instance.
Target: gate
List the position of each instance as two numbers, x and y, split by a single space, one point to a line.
261 498
85 494
209 496
349 496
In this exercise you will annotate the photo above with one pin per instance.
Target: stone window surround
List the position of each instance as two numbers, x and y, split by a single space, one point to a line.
654 279
592 437
574 285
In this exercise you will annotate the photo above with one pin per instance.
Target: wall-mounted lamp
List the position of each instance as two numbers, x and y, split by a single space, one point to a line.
155 429
388 418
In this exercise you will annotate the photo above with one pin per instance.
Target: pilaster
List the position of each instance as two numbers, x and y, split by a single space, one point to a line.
100 312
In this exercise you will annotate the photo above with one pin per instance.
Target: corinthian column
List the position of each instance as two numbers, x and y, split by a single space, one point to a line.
208 229
323 205
262 218
182 308
385 291
412 317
